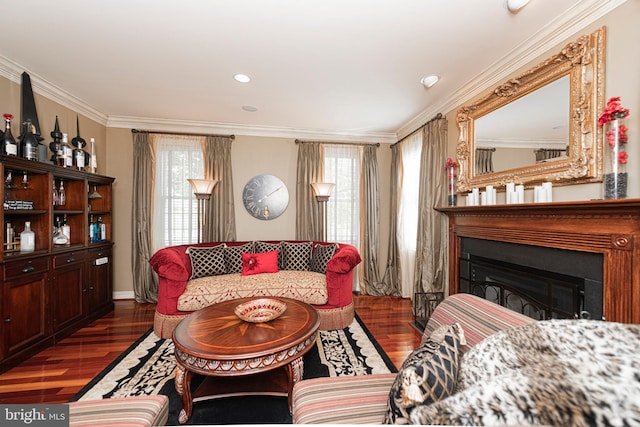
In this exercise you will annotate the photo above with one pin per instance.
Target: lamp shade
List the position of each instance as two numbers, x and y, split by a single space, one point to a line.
322 190
203 186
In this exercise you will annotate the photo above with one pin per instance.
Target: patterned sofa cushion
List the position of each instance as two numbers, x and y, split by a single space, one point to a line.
207 261
427 375
296 256
320 257
233 256
306 286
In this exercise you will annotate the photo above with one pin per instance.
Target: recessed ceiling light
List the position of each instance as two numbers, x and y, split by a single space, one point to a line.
249 108
429 81
242 78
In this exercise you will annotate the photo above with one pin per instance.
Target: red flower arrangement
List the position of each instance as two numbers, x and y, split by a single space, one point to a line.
451 165
614 111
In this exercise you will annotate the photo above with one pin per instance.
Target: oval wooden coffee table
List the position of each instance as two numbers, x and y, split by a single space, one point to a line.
239 357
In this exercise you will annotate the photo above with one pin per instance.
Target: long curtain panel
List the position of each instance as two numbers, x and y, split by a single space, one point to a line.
431 250
145 283
391 279
370 208
310 169
410 149
220 219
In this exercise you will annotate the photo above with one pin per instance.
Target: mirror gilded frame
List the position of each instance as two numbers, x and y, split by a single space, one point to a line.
584 61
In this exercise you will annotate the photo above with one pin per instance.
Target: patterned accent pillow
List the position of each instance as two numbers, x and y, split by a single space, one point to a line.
321 256
265 262
428 375
233 256
296 256
268 247
207 261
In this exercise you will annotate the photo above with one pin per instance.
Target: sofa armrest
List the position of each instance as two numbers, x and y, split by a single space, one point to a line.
172 263
342 400
478 317
344 260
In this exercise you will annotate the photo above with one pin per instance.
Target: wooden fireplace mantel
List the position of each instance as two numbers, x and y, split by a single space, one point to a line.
607 227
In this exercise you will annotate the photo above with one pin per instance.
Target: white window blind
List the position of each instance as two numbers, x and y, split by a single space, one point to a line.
175 208
342 166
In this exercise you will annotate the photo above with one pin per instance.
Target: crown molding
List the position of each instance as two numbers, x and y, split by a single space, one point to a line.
13 72
562 28
166 125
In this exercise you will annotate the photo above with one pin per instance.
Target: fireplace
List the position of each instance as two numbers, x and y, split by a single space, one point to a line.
540 282
604 233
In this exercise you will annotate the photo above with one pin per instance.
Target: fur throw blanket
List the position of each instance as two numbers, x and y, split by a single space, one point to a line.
554 372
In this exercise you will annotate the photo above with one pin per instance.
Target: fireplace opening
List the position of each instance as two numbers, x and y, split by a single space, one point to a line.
543 283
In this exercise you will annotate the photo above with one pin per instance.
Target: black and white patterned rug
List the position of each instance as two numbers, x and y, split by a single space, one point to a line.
148 368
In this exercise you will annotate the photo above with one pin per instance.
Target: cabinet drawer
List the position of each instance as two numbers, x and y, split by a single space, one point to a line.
69 258
19 268
99 253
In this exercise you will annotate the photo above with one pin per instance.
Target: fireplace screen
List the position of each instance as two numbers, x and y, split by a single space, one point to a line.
532 280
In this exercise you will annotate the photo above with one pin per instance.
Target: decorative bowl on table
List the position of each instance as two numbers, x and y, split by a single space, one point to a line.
260 310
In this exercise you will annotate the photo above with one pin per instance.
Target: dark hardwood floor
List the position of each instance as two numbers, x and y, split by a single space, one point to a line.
59 372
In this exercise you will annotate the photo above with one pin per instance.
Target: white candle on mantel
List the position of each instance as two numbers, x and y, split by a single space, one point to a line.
548 193
510 191
519 193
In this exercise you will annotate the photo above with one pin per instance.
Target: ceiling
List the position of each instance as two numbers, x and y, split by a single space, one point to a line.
333 69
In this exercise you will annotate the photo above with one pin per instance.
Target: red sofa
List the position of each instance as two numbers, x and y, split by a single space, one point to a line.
173 266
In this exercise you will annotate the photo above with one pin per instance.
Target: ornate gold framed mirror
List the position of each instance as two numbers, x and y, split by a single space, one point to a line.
571 85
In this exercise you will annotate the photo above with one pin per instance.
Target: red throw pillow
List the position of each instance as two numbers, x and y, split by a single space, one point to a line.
265 262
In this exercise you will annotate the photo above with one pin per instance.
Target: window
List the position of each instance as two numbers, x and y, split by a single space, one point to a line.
175 208
342 166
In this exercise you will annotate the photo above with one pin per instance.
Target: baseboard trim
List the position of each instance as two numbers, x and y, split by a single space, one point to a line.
123 295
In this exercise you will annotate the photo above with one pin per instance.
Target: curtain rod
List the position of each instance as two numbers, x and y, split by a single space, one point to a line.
432 119
180 133
300 141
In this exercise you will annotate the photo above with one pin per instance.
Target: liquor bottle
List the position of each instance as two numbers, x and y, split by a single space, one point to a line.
29 143
91 230
102 230
94 161
79 157
10 237
27 239
65 228
66 152
96 232
62 195
9 142
56 197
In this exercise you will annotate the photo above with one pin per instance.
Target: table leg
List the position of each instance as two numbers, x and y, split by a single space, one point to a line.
295 371
179 378
187 397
